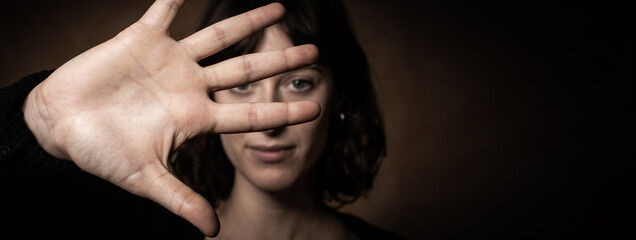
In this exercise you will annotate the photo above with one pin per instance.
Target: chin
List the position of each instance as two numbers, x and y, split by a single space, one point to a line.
274 180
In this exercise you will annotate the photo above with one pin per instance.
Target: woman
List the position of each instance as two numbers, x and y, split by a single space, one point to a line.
78 139
288 176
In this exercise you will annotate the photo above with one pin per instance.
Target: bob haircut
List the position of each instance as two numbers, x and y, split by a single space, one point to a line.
355 144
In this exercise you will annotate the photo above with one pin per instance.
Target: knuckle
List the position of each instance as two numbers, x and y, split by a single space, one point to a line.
181 199
252 24
212 78
287 106
220 35
247 69
253 117
286 53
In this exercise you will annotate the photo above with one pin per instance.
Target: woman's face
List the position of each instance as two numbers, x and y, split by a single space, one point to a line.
274 160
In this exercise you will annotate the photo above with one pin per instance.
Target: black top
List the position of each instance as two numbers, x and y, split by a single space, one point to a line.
45 197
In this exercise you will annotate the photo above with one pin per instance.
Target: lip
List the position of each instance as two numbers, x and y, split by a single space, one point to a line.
271 154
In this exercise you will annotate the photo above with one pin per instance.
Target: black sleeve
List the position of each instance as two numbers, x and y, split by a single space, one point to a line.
47 197
21 158
364 230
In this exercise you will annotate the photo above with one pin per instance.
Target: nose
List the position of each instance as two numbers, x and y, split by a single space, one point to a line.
269 92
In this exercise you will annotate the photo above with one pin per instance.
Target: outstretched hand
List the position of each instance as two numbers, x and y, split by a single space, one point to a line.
119 109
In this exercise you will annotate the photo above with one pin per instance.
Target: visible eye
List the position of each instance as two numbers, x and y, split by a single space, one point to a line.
301 85
242 88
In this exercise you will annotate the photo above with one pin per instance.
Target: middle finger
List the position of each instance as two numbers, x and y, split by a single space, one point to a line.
253 67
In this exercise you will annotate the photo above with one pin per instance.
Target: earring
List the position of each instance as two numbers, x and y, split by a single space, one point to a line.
342 116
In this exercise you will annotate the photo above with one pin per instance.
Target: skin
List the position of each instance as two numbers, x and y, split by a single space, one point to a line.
304 142
272 192
119 109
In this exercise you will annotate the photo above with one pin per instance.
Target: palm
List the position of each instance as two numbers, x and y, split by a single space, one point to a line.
134 83
118 109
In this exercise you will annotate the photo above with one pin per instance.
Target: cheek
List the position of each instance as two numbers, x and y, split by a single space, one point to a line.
313 136
231 144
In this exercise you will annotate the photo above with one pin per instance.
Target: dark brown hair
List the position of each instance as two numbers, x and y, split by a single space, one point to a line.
355 145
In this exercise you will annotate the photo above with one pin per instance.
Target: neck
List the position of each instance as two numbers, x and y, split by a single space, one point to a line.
290 214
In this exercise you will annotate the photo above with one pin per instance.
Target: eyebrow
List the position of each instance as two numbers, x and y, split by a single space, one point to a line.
316 67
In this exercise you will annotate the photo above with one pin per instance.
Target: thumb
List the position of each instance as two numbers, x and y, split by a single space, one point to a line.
158 185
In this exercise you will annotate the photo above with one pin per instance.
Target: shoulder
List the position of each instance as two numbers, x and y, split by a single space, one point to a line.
364 229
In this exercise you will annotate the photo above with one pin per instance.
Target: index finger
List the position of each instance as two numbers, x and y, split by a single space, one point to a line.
222 34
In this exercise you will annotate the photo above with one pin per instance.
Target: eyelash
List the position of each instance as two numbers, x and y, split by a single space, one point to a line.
308 83
239 90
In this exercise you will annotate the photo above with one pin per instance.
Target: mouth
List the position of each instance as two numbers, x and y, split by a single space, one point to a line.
271 154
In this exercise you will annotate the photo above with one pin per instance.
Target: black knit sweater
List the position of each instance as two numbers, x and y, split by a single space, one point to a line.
45 197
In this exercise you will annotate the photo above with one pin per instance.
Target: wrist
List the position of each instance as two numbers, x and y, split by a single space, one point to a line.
39 123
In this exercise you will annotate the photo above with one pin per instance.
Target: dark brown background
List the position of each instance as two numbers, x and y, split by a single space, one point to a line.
503 120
